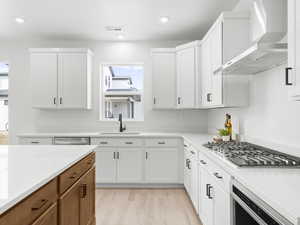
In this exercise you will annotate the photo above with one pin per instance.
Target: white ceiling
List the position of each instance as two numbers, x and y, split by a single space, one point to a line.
86 19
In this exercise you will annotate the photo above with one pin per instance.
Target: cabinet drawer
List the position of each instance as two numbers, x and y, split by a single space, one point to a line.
36 141
69 177
48 218
32 207
105 142
221 177
130 142
161 142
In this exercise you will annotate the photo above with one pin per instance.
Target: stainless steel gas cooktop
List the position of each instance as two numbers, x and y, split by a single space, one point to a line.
244 154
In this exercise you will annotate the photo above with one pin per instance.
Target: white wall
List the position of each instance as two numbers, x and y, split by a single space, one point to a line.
270 116
22 118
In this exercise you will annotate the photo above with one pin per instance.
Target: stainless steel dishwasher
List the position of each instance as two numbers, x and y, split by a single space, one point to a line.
71 141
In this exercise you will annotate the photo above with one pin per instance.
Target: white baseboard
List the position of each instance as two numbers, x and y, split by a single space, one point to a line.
113 185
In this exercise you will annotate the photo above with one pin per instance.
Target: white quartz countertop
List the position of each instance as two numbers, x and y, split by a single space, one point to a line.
102 134
278 187
24 169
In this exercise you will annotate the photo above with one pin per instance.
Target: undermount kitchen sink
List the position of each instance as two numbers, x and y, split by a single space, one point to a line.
120 133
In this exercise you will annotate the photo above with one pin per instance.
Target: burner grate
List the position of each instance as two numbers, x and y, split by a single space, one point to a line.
245 154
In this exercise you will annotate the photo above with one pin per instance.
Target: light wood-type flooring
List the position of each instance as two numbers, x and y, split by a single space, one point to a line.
144 207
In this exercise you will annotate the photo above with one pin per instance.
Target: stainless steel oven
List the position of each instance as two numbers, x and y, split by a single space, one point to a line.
248 209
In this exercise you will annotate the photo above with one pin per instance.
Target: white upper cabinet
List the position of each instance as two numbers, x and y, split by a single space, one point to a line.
227 37
61 78
44 79
292 78
164 78
188 64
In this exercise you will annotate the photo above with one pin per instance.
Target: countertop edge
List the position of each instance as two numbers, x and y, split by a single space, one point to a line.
8 205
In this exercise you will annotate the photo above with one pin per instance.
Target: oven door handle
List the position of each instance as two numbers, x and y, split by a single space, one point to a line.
248 210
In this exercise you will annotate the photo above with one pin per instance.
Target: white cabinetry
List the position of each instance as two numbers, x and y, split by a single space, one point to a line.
164 78
191 174
214 193
188 68
61 78
130 165
138 160
35 141
292 71
162 165
227 37
106 168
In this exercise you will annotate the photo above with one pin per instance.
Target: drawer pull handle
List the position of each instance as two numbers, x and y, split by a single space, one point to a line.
103 142
83 190
161 143
39 205
128 143
35 142
218 176
203 162
73 176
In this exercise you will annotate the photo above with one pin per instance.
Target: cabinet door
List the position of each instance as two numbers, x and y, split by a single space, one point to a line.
43 68
186 78
69 206
216 47
164 80
106 169
73 82
162 165
87 198
187 173
206 73
217 89
194 183
221 206
293 77
48 218
130 165
206 202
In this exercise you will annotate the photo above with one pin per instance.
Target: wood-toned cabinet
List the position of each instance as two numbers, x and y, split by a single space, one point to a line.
164 78
61 78
77 204
54 205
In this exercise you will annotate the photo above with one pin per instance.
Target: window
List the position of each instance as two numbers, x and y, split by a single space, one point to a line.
122 92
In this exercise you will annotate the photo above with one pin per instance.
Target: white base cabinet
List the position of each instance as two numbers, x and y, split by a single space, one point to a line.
106 168
130 165
148 161
162 165
119 165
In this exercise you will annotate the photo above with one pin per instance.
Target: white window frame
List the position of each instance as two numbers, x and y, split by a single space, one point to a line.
101 96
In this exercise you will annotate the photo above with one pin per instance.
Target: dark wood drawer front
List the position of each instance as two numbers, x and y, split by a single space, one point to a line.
49 217
32 207
70 176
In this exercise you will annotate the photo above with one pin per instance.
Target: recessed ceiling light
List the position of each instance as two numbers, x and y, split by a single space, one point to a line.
120 36
19 20
164 19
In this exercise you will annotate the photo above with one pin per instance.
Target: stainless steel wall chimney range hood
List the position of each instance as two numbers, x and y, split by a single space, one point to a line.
268 27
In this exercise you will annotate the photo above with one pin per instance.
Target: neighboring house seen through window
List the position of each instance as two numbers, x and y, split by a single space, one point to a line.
122 92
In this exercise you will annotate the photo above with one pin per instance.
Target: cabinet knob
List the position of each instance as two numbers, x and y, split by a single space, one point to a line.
203 162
